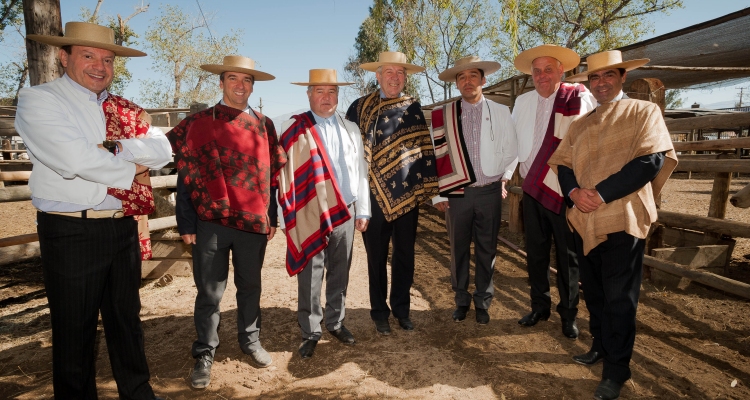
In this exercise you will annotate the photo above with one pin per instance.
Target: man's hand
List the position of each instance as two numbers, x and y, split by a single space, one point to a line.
271 232
502 188
442 206
586 200
361 224
188 239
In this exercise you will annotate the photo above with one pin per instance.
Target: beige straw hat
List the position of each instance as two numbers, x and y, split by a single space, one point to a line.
322 77
567 57
392 58
241 64
470 62
89 35
607 60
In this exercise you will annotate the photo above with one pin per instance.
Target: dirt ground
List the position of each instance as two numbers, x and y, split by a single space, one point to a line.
691 344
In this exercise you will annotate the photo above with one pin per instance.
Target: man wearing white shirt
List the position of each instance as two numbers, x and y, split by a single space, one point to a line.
90 250
342 191
542 117
474 185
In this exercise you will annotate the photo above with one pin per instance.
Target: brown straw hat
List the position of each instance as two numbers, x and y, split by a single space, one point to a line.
607 60
322 77
392 58
89 35
470 62
567 57
238 64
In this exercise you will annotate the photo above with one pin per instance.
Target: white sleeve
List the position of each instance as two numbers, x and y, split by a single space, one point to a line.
153 151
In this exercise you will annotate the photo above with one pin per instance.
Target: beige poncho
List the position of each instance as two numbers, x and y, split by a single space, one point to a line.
599 145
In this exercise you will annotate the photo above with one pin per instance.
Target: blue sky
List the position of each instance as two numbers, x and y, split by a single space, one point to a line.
288 37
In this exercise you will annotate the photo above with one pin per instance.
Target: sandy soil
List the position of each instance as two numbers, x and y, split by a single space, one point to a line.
691 344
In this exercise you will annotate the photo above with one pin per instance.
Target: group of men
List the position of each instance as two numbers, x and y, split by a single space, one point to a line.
592 163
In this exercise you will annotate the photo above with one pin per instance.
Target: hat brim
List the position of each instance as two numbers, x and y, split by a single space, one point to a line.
627 65
410 68
60 41
489 67
219 68
322 83
567 57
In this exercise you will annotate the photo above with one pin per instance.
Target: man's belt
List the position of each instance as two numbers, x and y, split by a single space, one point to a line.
89 214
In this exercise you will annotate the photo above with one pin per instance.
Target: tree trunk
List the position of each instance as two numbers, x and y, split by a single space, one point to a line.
42 17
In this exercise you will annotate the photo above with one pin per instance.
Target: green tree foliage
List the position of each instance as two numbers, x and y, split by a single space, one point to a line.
586 26
372 39
673 98
178 44
13 73
124 36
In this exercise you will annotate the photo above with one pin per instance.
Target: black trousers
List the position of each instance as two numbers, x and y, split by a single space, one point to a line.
92 266
611 276
541 226
377 237
475 217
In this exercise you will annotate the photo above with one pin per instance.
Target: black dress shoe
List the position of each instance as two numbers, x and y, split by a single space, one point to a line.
460 313
483 317
533 317
382 326
590 358
607 390
343 335
570 328
307 348
405 324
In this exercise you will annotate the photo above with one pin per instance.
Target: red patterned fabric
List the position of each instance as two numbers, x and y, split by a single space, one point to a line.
123 119
227 158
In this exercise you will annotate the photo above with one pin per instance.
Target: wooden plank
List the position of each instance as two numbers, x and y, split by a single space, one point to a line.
156 268
21 239
704 224
19 252
711 257
712 145
15 176
15 193
164 182
170 249
515 220
162 223
715 281
734 120
717 207
742 166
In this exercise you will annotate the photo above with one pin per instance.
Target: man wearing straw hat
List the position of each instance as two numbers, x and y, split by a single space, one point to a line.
475 149
402 176
542 117
82 185
324 194
611 166
226 156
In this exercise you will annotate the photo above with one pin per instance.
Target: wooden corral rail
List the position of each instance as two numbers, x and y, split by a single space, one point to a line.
709 279
704 224
709 121
713 145
26 247
742 166
23 193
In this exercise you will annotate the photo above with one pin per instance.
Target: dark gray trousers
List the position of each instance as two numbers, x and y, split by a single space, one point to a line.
334 263
474 217
541 226
211 270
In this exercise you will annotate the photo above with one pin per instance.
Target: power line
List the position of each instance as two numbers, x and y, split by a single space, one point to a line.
205 22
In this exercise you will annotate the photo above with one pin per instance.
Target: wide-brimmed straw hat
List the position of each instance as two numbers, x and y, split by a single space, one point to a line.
392 58
470 62
567 57
240 64
607 60
322 77
89 35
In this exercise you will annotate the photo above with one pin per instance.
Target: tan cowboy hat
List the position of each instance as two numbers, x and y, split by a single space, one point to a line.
470 62
238 64
323 77
567 57
607 60
392 58
89 35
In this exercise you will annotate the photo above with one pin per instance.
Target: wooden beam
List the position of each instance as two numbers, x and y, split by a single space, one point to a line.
733 120
742 166
15 193
164 182
15 176
715 281
704 224
696 69
713 145
21 239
